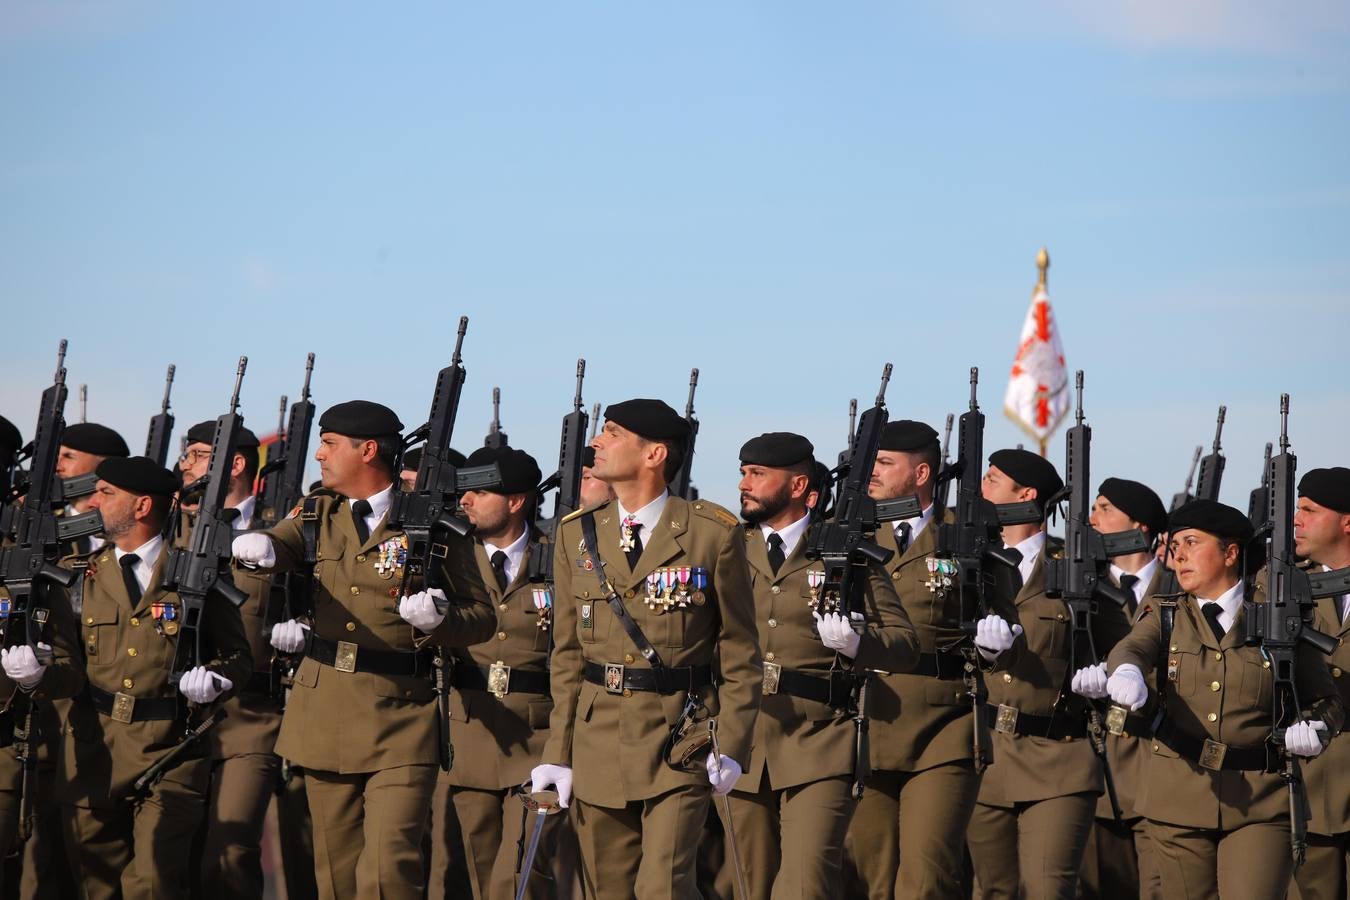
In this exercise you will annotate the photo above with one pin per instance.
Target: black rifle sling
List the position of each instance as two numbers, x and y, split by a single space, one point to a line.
309 534
620 611
1167 612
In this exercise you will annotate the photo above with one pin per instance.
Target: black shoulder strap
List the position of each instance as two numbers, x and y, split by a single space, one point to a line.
309 529
1167 617
615 604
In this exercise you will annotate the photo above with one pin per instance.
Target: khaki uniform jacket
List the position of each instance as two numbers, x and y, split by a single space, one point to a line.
1031 676
119 649
613 743
1328 774
1219 690
799 741
357 722
498 742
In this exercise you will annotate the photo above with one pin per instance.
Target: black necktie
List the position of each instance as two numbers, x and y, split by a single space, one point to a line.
902 533
1128 582
499 568
1211 612
128 562
636 553
776 555
361 509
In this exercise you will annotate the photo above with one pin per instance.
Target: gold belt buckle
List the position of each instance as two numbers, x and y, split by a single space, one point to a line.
772 672
614 678
123 708
345 661
1212 754
1006 721
1115 720
499 679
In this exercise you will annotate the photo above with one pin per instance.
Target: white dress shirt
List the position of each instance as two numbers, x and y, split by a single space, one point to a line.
149 554
648 517
245 510
791 535
1145 576
379 506
916 524
515 553
1030 549
1230 600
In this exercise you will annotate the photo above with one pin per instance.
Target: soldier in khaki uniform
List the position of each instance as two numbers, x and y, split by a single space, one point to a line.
680 570
243 766
501 703
792 807
1221 828
362 714
127 712
907 836
1322 535
1037 799
1118 862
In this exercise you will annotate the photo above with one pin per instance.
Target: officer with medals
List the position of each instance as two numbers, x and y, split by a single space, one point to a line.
501 703
791 808
362 714
908 835
1036 802
1118 861
127 712
1322 535
1218 811
243 766
681 595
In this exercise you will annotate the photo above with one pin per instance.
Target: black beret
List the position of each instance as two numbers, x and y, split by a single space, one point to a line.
1327 487
203 432
777 450
99 440
1029 470
360 419
1137 501
412 458
10 439
138 474
1212 517
654 420
588 458
908 436
520 473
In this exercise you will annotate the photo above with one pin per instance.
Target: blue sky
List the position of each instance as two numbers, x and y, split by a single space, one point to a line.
786 195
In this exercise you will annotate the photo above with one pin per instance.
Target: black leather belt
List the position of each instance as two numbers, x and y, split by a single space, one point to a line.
1210 754
348 657
939 665
834 689
617 678
124 708
1011 720
469 677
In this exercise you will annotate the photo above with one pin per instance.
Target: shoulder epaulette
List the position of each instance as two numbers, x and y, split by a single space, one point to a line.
712 511
576 514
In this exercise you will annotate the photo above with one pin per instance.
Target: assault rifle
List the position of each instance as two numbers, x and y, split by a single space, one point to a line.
847 453
496 438
681 485
161 426
570 453
1258 503
1181 499
284 474
1207 488
1079 577
1281 623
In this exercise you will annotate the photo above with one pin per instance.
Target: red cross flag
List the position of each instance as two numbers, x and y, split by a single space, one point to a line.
1038 388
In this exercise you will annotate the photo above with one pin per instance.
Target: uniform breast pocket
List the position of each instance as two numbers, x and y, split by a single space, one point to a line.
1183 671
100 633
1047 633
1257 683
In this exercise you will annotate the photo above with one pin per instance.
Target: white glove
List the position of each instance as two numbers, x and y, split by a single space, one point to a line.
1090 682
1126 687
254 549
424 610
722 773
837 634
201 685
1303 739
22 666
289 636
559 777
993 636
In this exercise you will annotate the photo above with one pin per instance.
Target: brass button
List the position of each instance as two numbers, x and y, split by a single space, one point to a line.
1155 746
960 696
769 656
773 623
135 621
360 557
1218 657
131 651
351 626
895 576
1007 678
1215 686
585 595
628 658
1265 664
775 590
628 595
1059 616
1174 648
627 692
698 506
128 683
1335 671
501 635
355 590
89 621
503 607
1213 717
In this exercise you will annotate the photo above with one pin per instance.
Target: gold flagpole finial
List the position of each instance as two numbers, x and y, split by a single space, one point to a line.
1043 264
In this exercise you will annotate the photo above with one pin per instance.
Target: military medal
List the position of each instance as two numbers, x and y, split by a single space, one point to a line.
543 606
626 542
940 574
653 596
4 607
815 578
586 620
166 618
393 553
698 579
682 575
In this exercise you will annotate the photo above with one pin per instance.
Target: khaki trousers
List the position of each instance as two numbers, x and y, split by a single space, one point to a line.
791 841
295 838
140 851
1119 863
644 850
908 835
1323 875
368 832
231 861
495 832
1251 861
1031 849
